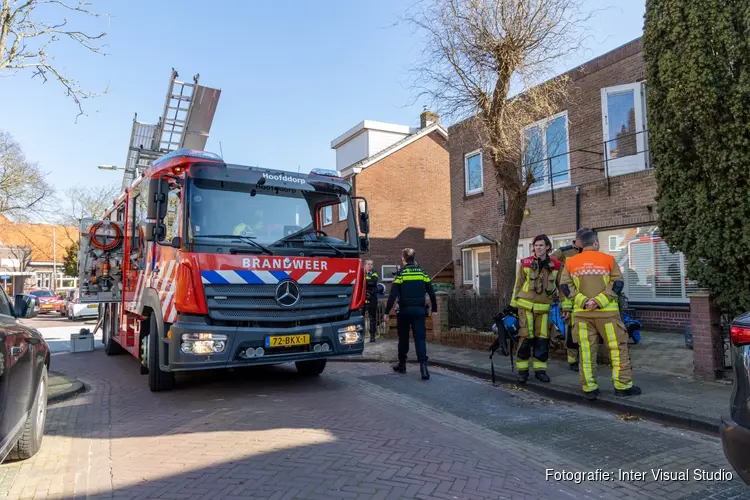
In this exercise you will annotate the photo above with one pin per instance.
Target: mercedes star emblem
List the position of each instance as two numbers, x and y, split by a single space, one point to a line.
287 293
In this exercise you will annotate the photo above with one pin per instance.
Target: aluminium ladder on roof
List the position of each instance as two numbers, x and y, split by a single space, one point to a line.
186 119
176 115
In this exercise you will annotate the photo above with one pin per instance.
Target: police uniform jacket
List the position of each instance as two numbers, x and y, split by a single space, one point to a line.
410 286
371 286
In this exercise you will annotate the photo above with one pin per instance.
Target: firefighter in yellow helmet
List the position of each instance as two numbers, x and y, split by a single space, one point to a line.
536 286
592 280
566 305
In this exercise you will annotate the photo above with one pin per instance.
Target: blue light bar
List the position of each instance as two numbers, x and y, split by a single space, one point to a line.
325 172
189 153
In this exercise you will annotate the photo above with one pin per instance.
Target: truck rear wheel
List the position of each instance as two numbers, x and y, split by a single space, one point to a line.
158 380
311 368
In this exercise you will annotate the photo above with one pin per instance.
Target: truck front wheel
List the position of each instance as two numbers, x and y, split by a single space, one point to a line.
158 380
311 368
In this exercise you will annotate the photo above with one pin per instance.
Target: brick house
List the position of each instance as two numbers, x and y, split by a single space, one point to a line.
31 253
403 173
594 170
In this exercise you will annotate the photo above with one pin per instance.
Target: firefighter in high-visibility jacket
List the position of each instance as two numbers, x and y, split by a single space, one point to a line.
534 292
566 305
592 280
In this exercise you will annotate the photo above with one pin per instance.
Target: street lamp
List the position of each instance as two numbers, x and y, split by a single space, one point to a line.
109 167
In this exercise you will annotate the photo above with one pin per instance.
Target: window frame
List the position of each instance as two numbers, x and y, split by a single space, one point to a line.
464 252
467 156
386 276
329 221
642 160
555 184
343 211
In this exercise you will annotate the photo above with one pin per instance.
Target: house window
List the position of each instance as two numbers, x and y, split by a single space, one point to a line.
624 128
651 272
386 272
343 211
467 262
328 215
545 153
473 172
562 240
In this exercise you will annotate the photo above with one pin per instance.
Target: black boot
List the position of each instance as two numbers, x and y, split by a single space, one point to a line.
591 396
423 370
633 391
523 376
542 376
372 337
399 367
573 366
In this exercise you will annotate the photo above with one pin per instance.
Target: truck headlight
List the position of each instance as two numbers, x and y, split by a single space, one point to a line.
203 343
350 334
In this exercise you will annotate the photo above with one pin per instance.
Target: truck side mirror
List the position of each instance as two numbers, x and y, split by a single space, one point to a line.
364 243
158 190
364 222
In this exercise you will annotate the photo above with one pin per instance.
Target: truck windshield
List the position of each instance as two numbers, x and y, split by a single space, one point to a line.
270 216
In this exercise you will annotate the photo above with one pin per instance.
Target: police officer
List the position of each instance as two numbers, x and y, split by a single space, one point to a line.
561 254
592 281
410 287
535 289
371 298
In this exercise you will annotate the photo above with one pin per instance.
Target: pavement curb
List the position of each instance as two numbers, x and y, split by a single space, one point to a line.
604 402
76 387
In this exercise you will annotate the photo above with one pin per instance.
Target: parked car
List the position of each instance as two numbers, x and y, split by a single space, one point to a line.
46 298
76 310
735 423
24 366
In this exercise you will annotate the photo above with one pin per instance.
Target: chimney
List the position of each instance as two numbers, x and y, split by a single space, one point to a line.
427 118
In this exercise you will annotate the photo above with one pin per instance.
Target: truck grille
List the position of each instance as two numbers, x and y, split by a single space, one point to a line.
255 305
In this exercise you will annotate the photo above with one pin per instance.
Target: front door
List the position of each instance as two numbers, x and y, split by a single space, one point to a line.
483 280
623 120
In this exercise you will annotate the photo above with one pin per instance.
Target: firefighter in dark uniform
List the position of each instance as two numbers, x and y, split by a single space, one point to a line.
371 297
562 254
410 287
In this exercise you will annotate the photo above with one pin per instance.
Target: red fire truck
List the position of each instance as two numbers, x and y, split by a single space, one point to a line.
201 264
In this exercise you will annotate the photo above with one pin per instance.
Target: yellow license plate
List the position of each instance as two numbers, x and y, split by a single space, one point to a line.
287 340
93 306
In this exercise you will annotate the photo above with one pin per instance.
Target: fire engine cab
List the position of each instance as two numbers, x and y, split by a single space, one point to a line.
200 264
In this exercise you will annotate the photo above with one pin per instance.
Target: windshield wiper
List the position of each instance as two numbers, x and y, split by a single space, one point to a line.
338 251
244 239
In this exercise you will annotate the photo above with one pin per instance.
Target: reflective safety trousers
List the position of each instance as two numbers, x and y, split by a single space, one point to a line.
533 333
587 331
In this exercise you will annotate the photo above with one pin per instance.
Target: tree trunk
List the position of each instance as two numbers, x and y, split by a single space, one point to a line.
507 249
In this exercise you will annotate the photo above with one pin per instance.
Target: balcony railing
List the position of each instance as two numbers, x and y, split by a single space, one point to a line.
626 153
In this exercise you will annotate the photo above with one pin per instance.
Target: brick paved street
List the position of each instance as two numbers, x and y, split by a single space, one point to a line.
359 431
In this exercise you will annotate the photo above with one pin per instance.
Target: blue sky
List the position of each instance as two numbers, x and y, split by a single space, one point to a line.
294 75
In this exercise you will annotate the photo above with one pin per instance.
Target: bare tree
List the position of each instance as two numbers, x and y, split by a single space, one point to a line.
25 40
88 202
23 188
21 257
477 53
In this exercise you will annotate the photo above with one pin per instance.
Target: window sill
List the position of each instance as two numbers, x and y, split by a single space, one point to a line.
473 195
532 192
